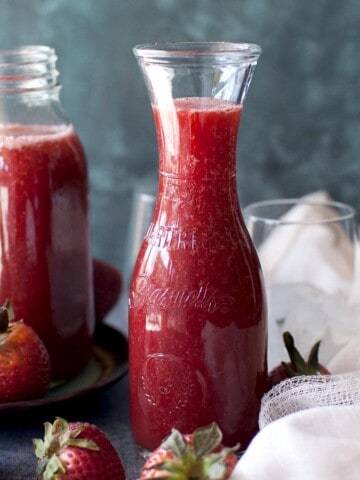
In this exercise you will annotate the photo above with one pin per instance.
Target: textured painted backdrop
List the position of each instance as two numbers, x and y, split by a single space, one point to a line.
301 125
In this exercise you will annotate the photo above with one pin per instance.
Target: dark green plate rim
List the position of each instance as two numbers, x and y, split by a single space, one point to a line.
107 365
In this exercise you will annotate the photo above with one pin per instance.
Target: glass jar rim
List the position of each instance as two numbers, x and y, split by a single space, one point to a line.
338 211
226 51
25 53
28 68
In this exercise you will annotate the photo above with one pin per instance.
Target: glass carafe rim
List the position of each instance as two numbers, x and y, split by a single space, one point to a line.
213 50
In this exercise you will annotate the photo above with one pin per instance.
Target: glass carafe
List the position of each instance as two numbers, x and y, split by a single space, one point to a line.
45 258
197 310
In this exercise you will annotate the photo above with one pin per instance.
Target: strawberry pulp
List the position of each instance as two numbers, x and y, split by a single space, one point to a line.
45 264
197 316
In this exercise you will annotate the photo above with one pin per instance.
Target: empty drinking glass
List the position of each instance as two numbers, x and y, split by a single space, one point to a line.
308 250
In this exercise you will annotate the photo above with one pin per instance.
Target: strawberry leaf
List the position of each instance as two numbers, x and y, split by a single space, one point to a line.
40 469
294 354
82 443
77 431
48 437
170 466
53 467
206 439
175 443
313 360
216 471
39 447
60 426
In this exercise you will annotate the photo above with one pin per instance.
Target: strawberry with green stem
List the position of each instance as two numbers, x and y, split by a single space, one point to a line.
76 451
198 456
297 365
25 369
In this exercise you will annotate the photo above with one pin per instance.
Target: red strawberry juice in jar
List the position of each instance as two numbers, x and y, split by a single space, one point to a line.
45 256
197 314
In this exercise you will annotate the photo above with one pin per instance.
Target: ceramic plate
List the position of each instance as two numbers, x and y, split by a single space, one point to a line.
107 365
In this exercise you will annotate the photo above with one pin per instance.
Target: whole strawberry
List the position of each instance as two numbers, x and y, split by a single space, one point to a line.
197 456
297 365
24 361
76 451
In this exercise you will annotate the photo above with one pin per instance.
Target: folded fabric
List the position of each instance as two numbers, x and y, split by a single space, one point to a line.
304 392
320 443
347 359
309 427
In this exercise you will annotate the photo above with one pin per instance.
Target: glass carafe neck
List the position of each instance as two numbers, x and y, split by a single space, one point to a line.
197 90
197 138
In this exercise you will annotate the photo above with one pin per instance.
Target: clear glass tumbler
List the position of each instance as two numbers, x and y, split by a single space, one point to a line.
308 251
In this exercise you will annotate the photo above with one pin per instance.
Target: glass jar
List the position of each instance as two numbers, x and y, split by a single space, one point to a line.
45 258
197 310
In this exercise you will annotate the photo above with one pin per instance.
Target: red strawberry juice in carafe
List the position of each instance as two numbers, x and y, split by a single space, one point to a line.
197 314
45 265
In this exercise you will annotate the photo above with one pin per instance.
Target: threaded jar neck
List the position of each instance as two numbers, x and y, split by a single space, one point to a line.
30 68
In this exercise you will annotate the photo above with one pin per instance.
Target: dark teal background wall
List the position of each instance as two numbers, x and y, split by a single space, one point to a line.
301 124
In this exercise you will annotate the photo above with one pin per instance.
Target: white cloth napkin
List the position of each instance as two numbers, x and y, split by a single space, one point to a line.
310 426
320 443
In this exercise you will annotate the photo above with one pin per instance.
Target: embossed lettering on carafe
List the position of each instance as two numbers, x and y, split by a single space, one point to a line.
205 297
